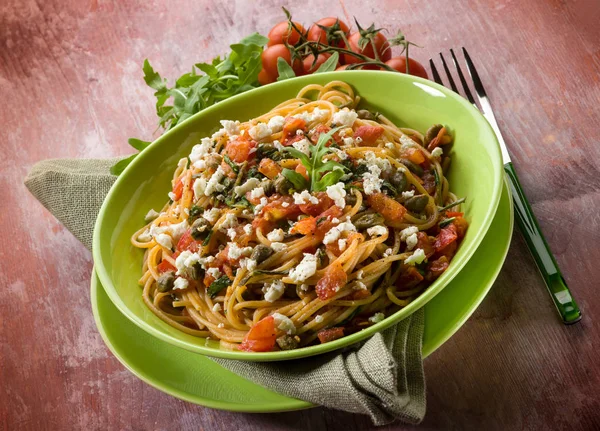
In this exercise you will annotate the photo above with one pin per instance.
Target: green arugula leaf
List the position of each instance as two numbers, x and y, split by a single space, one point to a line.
152 78
138 144
330 64
120 166
218 285
284 70
297 180
230 162
256 39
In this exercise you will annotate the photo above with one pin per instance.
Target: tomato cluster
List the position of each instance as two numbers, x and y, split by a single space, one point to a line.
289 40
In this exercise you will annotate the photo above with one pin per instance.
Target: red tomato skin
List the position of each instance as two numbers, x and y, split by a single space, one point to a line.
327 335
332 281
446 237
414 67
240 150
281 33
165 266
409 278
368 134
306 226
264 78
270 56
308 62
424 243
381 43
391 210
317 34
343 67
261 337
178 189
324 203
186 242
290 126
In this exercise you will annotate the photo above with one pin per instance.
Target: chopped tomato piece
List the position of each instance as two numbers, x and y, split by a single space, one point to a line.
429 182
332 281
368 134
454 214
322 128
301 169
409 278
275 210
327 335
208 279
186 242
290 126
461 226
414 155
269 168
228 170
261 337
306 226
240 150
359 294
178 189
228 270
446 237
391 210
324 222
437 267
424 243
292 140
263 224
312 209
165 266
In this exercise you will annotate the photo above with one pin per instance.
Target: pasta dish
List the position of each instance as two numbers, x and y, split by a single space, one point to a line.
306 224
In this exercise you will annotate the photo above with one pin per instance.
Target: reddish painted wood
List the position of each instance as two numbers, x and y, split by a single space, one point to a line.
71 86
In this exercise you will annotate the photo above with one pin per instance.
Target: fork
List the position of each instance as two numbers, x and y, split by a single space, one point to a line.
559 291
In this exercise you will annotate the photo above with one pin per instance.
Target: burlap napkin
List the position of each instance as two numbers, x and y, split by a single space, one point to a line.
382 378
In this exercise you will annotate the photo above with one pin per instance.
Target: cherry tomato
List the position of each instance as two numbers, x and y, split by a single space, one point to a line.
308 62
343 67
261 337
381 44
283 33
264 78
414 67
317 34
270 56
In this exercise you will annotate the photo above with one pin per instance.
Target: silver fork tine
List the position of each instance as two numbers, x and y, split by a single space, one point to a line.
463 81
474 75
450 79
434 72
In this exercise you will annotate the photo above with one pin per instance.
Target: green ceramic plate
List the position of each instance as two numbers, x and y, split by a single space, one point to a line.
197 379
476 173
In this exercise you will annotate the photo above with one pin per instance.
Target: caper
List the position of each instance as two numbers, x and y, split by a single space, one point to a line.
199 228
166 281
268 187
261 253
287 342
432 132
369 220
413 167
365 114
417 203
399 181
283 185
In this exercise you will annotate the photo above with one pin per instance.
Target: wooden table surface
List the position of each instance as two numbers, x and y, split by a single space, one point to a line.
71 86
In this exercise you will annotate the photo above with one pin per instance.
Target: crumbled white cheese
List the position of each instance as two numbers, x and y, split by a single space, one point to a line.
408 194
437 152
345 117
276 123
390 145
248 229
388 252
235 251
377 317
221 325
303 115
260 131
417 257
342 244
412 241
285 204
318 318
319 114
151 215
409 235
199 187
284 323
214 273
273 291
230 221
172 196
383 164
299 132
231 233
302 145
211 215
164 240
218 134
276 235
145 236
185 262
348 141
278 246
305 197
377 230
213 184
407 142
305 269
335 220
217 307
359 274
304 287
249 264
359 285
248 185
177 229
340 153
257 193
278 145
200 150
231 127
335 232
200 165
337 193
371 181
180 283
258 208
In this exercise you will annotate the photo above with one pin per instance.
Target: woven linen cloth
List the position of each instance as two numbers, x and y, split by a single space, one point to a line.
382 377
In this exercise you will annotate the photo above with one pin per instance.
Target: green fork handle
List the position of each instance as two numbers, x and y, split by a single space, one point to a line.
560 293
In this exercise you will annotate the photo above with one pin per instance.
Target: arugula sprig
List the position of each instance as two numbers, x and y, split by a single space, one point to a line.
205 85
321 173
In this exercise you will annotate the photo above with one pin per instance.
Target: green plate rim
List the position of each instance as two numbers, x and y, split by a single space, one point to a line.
419 302
292 403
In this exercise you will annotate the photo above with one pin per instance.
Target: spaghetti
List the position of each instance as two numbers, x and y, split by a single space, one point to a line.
303 225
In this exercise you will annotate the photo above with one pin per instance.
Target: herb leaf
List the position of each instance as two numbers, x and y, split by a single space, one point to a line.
297 180
218 285
138 144
284 70
120 166
330 64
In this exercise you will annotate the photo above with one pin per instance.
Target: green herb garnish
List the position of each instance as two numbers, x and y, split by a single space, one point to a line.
207 239
218 285
446 222
453 204
230 162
